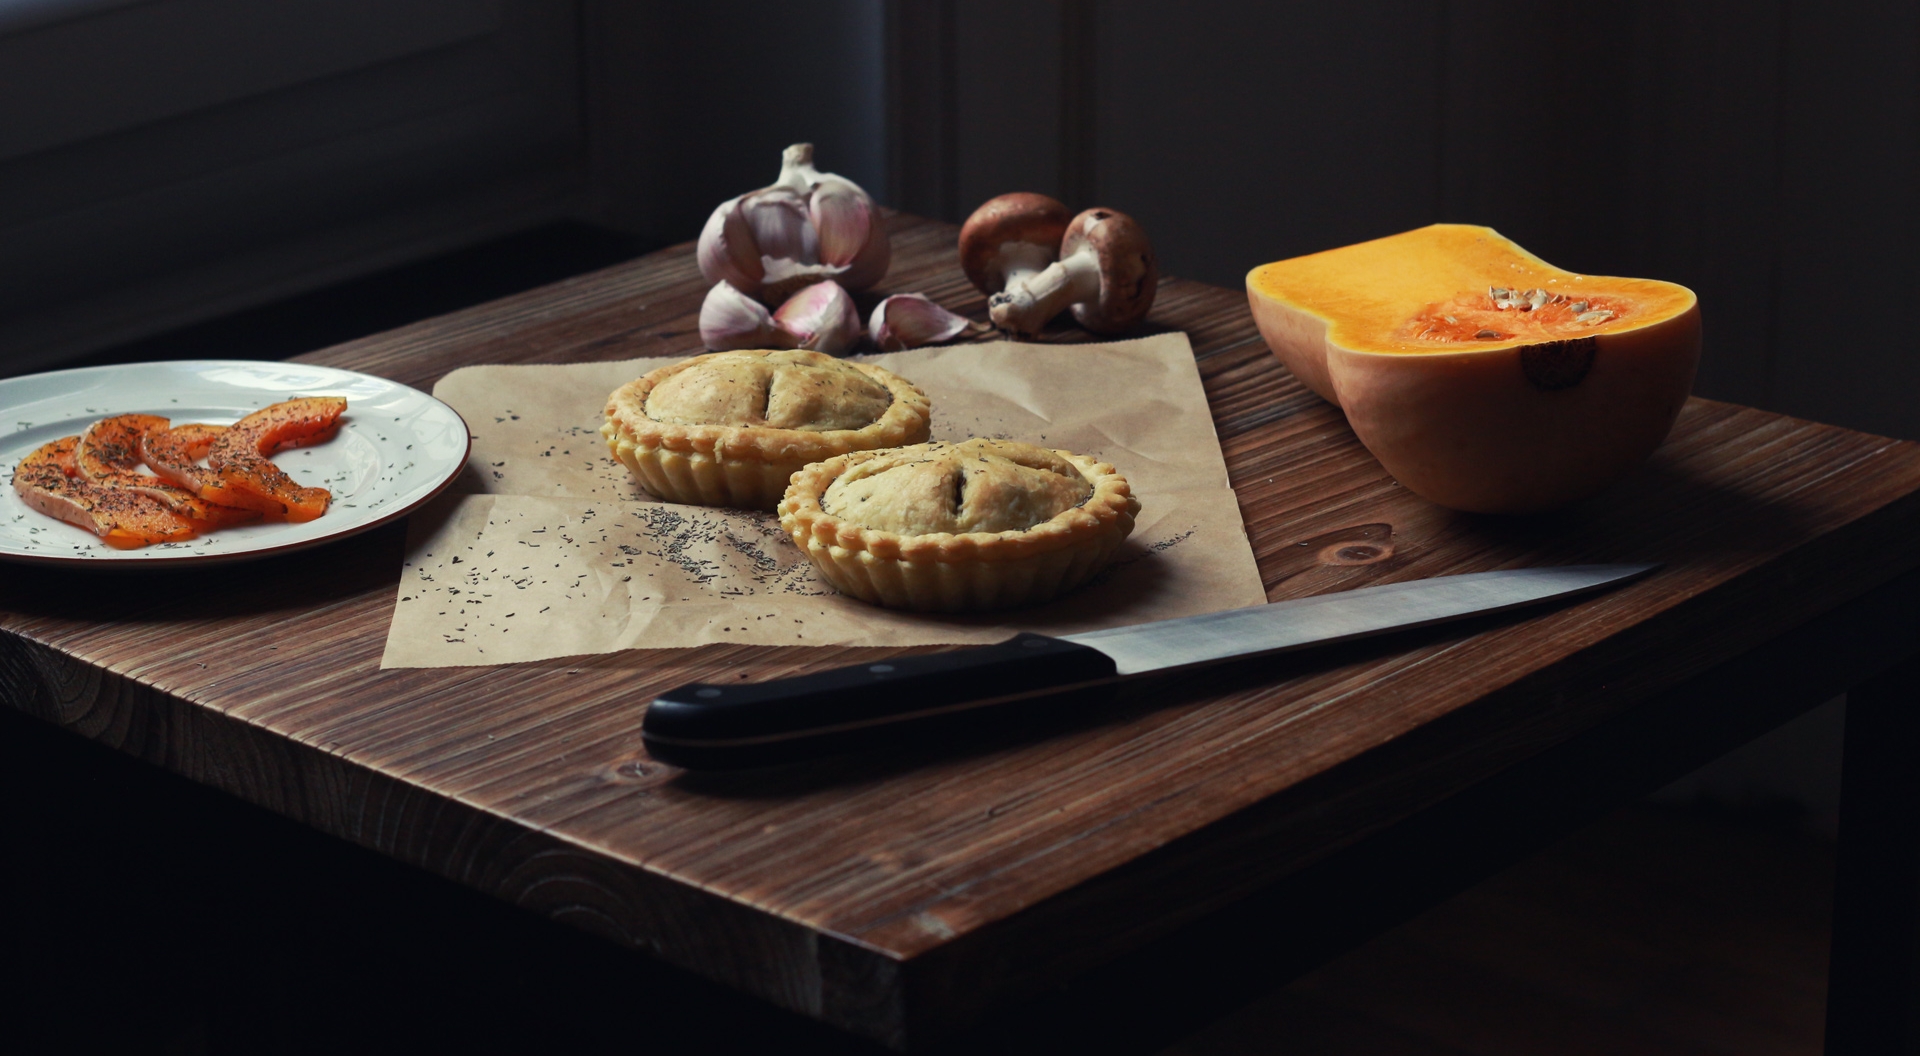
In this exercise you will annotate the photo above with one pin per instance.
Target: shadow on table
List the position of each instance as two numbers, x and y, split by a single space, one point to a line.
1662 511
122 592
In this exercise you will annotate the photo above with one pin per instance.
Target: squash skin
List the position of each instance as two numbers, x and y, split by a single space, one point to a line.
1466 427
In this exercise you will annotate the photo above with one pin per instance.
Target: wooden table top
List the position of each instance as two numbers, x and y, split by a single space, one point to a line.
898 896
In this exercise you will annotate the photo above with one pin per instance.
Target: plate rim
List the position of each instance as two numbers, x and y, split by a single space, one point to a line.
171 560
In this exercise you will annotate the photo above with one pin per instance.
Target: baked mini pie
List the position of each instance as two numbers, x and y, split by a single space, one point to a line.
729 428
982 524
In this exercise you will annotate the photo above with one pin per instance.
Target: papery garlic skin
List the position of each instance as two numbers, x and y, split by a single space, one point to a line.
808 226
730 319
910 320
820 318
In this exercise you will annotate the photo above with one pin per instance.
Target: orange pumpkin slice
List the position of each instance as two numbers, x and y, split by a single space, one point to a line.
109 452
240 453
174 454
48 481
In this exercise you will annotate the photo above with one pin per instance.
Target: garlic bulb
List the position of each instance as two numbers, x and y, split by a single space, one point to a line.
730 319
808 226
910 320
821 317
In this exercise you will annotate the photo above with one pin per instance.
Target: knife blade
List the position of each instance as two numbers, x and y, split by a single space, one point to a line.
711 726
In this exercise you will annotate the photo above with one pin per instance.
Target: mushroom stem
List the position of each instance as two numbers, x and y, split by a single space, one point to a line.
1028 302
1024 260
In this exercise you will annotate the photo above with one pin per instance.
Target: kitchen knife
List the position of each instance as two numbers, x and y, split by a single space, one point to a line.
710 726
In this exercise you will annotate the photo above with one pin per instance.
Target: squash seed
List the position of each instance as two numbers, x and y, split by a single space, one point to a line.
1594 317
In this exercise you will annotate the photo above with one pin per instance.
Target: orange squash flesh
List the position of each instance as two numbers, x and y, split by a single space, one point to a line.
48 481
173 454
239 454
1482 377
110 452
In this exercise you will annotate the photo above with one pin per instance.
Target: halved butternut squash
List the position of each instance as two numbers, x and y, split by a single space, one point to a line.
1482 377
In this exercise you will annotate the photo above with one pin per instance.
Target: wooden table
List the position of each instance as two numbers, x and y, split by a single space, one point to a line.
1167 853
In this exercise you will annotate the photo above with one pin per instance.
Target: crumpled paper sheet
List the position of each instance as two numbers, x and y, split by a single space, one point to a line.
547 547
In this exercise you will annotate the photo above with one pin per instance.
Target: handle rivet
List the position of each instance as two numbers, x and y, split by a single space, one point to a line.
881 669
708 694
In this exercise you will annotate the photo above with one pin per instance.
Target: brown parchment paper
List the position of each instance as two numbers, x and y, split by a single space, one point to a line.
548 548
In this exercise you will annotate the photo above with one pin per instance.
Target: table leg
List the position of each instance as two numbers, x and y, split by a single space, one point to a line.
1873 984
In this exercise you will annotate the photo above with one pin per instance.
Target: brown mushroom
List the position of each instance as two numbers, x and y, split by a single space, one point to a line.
1105 272
1011 237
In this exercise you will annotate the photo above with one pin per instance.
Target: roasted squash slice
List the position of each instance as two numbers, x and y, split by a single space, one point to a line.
48 481
240 453
110 451
1482 377
173 454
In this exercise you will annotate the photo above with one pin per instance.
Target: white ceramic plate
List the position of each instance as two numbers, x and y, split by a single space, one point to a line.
396 448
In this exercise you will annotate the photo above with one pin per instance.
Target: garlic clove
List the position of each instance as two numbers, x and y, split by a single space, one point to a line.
730 319
841 215
870 264
910 320
727 250
780 225
820 317
851 230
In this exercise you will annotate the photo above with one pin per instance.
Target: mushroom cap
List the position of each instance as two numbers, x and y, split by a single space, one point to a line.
1018 217
1129 277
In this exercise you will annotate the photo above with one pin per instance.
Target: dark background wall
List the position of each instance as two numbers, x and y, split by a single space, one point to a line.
691 103
167 161
1764 152
163 161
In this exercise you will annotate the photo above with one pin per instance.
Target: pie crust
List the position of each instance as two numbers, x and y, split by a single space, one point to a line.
983 524
730 428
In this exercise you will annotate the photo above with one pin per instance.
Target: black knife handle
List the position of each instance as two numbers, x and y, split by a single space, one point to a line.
715 726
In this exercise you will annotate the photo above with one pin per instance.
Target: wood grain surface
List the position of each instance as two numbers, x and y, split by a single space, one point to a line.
904 895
